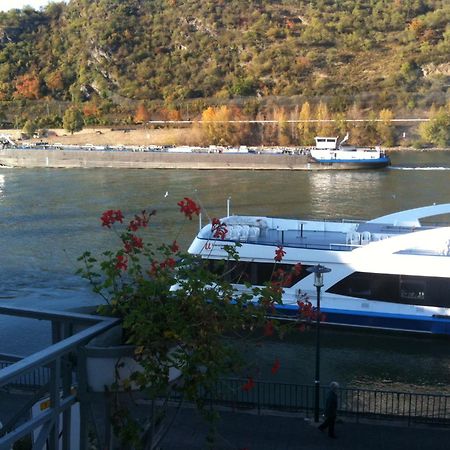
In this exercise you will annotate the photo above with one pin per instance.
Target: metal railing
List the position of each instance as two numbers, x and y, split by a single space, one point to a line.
51 371
358 403
30 381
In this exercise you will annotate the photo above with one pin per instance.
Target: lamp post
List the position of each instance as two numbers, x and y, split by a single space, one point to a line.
318 272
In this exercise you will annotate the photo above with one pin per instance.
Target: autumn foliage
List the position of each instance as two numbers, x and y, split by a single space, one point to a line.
28 86
142 114
222 125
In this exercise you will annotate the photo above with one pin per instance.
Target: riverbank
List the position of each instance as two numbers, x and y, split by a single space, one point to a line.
123 136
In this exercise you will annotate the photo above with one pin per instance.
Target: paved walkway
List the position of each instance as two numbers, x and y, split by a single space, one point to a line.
245 431
248 431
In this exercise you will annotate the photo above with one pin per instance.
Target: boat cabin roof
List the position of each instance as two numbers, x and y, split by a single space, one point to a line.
342 235
329 143
325 235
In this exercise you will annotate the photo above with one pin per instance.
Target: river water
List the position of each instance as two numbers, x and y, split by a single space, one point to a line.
48 217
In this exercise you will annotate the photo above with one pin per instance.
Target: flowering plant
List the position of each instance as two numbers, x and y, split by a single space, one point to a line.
179 315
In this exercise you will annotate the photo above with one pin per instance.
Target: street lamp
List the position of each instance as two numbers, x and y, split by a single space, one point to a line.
318 272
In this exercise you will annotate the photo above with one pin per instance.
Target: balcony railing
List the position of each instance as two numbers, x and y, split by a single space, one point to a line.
55 379
50 374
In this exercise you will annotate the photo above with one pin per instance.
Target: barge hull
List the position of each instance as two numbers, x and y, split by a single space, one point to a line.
56 158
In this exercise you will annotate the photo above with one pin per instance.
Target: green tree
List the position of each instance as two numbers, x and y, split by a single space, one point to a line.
29 127
73 120
437 130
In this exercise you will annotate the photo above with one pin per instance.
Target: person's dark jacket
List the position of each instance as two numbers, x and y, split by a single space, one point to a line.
331 405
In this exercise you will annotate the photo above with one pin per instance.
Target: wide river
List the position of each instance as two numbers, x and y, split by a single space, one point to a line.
48 217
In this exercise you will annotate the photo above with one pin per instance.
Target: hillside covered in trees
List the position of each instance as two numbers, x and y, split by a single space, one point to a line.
174 58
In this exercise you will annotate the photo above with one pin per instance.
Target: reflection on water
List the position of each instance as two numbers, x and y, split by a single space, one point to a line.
50 217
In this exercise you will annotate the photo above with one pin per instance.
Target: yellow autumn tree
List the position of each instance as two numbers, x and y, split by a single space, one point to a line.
384 127
280 116
306 129
222 125
324 124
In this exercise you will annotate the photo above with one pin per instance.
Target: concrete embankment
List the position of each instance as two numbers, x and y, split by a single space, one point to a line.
55 158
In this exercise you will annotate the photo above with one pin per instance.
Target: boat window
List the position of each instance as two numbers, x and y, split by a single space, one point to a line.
414 290
256 273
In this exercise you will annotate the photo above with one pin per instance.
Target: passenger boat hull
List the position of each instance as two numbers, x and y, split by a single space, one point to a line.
389 273
376 320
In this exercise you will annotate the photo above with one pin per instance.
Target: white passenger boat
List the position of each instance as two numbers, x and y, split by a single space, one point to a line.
392 272
329 152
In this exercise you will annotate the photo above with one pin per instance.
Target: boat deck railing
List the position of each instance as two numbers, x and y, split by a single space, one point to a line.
323 235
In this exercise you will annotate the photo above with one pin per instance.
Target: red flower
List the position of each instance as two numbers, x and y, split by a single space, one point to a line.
268 328
218 229
111 216
140 221
279 253
188 207
306 309
137 242
154 268
174 247
169 262
121 262
249 385
275 367
132 243
288 280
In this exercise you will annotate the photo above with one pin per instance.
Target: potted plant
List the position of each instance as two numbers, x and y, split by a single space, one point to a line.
180 337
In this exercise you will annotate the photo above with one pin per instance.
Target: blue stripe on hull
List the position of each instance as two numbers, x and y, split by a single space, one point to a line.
400 322
366 162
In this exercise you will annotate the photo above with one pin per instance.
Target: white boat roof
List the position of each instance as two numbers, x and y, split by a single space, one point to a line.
411 217
342 235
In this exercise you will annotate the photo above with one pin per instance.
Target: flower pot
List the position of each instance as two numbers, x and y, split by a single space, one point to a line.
108 362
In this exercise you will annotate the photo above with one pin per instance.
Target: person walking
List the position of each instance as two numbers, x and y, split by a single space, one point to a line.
331 405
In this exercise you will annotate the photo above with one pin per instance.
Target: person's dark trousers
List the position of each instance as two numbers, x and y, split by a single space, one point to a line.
329 423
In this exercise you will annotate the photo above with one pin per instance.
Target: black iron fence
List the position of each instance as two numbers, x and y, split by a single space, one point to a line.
408 407
411 408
